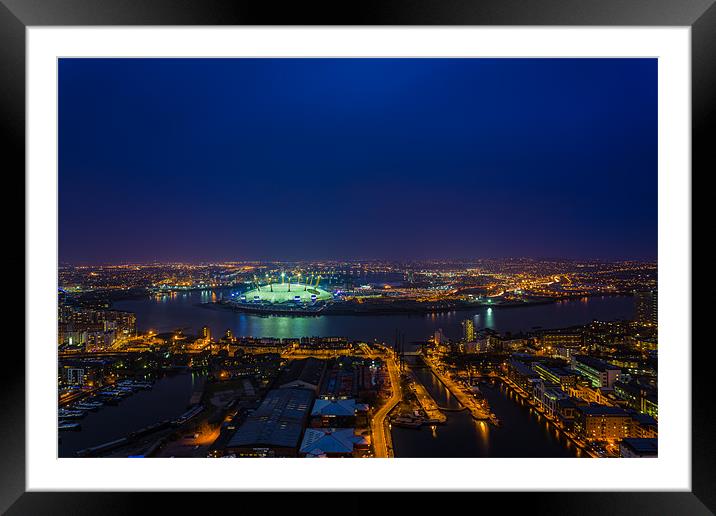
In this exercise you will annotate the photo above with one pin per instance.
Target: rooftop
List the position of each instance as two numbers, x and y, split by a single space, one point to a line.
602 410
286 293
334 407
322 441
307 370
595 363
278 421
522 368
642 446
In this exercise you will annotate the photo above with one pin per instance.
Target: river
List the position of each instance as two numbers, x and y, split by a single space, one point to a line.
183 310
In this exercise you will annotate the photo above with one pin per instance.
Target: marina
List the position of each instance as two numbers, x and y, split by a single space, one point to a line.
522 432
138 405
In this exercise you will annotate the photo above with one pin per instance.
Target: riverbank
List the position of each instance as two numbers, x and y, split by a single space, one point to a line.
185 311
368 308
522 432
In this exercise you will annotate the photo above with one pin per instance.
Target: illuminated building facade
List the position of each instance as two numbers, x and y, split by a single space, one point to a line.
569 340
555 375
602 423
468 330
599 372
646 307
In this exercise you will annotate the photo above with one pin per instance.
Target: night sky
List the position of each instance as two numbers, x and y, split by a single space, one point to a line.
407 159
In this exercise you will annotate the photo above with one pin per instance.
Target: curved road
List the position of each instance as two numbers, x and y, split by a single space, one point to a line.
380 433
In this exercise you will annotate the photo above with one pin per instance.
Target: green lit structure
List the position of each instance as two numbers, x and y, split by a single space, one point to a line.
277 293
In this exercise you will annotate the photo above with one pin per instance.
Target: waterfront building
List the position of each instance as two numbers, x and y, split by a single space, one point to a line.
83 372
602 423
521 375
556 375
324 343
468 330
546 395
258 345
599 372
94 329
566 409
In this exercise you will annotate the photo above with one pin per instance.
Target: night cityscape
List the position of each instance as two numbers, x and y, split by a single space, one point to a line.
368 258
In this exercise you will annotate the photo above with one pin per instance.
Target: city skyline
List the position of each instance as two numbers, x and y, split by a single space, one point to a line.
405 261
374 159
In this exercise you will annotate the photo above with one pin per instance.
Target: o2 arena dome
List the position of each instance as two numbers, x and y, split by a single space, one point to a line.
285 292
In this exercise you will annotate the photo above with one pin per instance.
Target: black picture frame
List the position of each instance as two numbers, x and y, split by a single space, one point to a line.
700 15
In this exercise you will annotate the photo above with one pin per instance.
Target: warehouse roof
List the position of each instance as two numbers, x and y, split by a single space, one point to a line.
307 371
321 441
278 421
334 407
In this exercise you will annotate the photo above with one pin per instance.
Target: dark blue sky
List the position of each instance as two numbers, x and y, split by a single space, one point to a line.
208 159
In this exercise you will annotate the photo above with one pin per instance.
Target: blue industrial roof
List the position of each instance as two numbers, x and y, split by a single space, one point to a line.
278 421
334 407
321 441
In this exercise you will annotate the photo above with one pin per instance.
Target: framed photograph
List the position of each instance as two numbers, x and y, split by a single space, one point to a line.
449 244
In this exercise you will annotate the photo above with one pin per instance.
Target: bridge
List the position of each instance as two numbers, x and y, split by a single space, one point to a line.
459 409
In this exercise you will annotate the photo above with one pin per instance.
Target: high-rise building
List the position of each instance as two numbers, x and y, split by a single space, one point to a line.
468 330
205 333
646 307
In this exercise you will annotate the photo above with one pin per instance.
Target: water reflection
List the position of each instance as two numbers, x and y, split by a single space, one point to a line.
522 432
489 319
166 313
167 399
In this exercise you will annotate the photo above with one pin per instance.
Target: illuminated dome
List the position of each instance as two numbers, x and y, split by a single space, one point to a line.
276 293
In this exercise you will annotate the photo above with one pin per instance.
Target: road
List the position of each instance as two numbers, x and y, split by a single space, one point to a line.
380 432
381 436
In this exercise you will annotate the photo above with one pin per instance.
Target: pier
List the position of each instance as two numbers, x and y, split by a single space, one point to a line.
467 401
427 403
